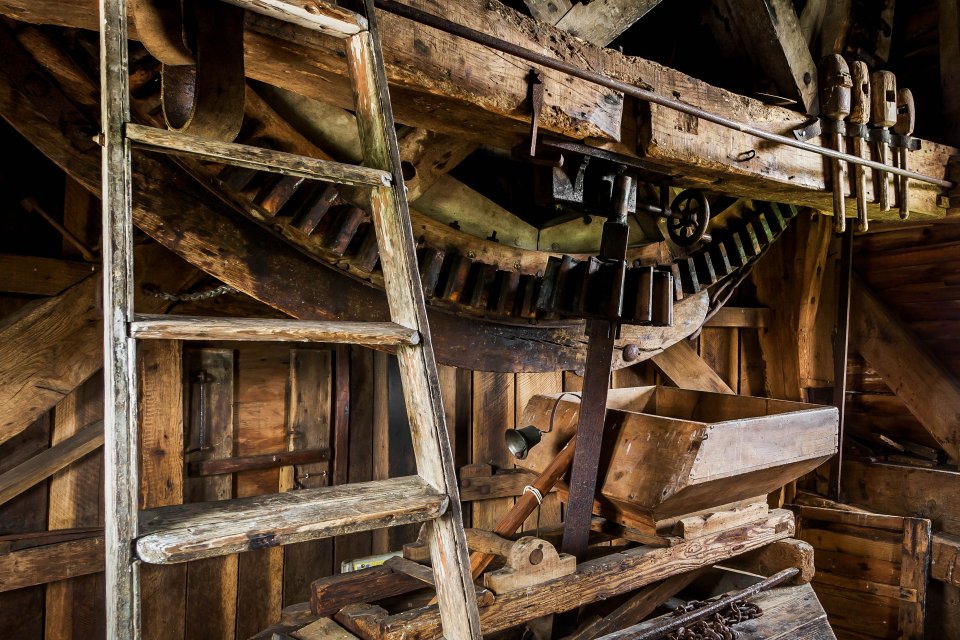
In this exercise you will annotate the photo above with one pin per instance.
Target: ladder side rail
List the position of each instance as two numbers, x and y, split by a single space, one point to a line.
120 432
455 588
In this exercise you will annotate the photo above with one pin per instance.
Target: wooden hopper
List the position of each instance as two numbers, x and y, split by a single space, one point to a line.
671 452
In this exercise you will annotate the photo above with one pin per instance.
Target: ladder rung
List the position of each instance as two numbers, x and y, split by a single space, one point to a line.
165 327
205 529
242 155
314 14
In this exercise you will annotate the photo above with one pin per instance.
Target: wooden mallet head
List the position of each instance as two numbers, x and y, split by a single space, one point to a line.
860 92
906 116
835 85
883 99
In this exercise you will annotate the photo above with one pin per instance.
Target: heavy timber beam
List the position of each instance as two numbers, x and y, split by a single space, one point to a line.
177 213
927 388
444 84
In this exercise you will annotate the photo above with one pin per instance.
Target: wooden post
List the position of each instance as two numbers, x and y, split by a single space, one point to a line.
418 367
120 406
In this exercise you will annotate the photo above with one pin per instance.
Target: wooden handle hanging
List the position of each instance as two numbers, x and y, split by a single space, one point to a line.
860 116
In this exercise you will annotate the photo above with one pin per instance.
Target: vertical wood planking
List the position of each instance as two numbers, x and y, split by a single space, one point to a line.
309 412
74 607
914 574
360 467
341 413
720 349
262 379
493 413
456 388
380 538
211 602
527 386
21 611
160 382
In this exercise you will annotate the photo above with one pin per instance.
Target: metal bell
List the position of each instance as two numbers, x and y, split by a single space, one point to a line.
520 441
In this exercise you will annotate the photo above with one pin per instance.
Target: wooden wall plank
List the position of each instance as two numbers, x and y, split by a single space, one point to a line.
262 377
309 414
493 413
75 607
360 466
914 572
21 611
160 381
211 602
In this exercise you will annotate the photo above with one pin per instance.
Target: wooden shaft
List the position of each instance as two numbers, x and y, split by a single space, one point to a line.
839 180
860 178
903 197
526 504
884 197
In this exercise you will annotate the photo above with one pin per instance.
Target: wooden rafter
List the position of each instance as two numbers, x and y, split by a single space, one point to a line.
686 369
601 22
913 373
493 108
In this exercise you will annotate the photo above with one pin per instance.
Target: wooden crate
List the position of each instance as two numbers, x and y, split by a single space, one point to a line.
671 452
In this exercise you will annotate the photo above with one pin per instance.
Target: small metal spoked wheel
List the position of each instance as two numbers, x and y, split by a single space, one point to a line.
690 217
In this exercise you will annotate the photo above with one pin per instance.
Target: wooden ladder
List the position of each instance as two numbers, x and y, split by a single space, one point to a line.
186 532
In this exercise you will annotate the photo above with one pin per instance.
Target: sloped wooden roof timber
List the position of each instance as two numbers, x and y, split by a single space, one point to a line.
445 84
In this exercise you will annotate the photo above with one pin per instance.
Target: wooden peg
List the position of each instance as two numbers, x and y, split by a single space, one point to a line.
859 117
530 561
883 115
835 85
906 118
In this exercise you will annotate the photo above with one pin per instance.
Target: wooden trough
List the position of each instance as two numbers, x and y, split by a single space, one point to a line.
670 452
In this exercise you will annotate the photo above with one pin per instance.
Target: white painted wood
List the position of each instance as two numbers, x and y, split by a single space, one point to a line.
205 529
314 14
242 155
162 327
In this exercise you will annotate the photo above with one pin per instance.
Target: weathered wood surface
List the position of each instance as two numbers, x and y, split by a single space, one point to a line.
178 214
241 155
740 317
194 328
257 462
686 369
35 276
45 464
601 22
782 554
768 33
50 563
908 367
607 576
48 349
160 376
434 90
319 16
677 452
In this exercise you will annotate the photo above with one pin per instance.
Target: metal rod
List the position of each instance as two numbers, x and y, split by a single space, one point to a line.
642 94
840 348
636 633
31 204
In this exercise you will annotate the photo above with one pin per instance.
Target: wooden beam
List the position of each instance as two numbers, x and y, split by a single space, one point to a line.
549 11
177 213
790 282
35 276
686 369
45 464
602 21
911 371
768 33
439 93
51 563
607 576
740 318
48 349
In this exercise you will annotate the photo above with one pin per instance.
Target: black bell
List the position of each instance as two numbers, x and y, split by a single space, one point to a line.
520 441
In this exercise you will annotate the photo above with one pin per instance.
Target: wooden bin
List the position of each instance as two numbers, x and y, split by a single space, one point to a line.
671 452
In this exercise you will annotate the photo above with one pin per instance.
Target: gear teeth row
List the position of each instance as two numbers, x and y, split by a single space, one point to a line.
566 287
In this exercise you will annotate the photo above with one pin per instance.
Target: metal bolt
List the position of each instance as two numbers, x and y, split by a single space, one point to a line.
631 352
